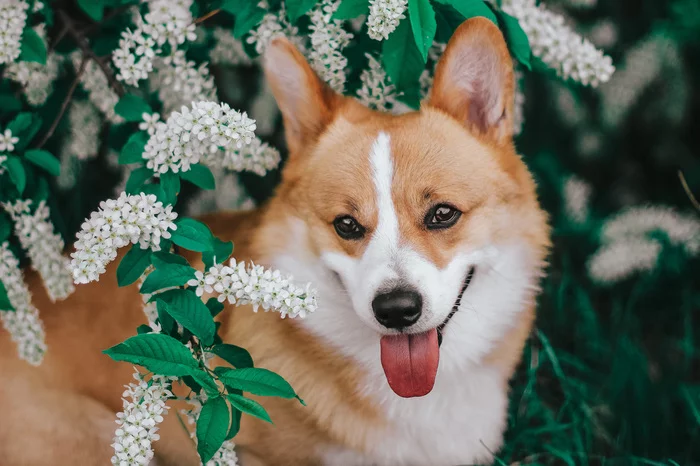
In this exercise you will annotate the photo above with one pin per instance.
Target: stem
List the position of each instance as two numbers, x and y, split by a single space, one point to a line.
207 16
64 105
688 192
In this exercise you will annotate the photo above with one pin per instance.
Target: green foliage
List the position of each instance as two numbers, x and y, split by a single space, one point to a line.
297 8
93 8
158 353
5 304
133 265
350 9
212 427
404 63
18 174
248 406
193 235
235 355
186 307
45 160
516 38
423 25
132 107
200 176
32 47
256 381
132 152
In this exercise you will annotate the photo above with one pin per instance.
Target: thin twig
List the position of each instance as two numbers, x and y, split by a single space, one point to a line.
87 51
58 38
207 16
688 192
64 105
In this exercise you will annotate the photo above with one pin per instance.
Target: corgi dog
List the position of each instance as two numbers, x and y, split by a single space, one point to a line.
424 238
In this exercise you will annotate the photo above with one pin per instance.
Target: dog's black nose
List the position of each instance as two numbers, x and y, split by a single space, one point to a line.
398 308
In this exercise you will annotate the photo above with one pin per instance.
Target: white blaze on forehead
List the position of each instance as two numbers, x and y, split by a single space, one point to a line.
386 236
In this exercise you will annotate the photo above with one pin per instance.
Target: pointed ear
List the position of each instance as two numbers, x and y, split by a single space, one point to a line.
305 101
474 79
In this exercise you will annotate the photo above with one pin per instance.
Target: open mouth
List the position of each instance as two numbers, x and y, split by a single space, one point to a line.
410 361
458 301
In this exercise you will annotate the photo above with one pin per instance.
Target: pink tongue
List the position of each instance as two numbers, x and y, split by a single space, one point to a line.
410 362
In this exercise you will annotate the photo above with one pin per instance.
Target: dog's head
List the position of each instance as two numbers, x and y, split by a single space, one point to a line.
423 228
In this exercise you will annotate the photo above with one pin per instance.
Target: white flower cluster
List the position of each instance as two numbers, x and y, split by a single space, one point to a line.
272 26
36 79
85 124
97 87
143 410
8 141
167 23
180 81
227 49
257 157
3 159
13 16
23 322
558 46
43 246
627 247
518 103
377 92
384 17
229 195
132 219
328 39
226 454
191 134
577 197
253 284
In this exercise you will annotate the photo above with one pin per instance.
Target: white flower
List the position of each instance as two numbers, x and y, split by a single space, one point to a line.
43 246
131 219
194 134
199 282
7 141
253 284
36 79
180 81
13 16
143 410
228 195
3 159
558 46
149 122
85 125
23 322
620 259
272 26
377 92
384 17
257 157
227 49
577 196
328 39
97 87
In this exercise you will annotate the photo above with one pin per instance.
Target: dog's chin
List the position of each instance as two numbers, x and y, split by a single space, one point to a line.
410 360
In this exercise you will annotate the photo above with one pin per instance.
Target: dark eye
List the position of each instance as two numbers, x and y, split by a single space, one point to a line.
348 228
441 216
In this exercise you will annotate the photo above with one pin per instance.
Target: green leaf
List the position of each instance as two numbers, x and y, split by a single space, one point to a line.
5 304
45 160
235 355
132 151
33 48
351 9
448 20
161 257
20 123
158 353
132 265
423 24
249 406
212 427
516 38
137 178
17 173
167 276
471 8
256 381
219 253
297 8
247 13
132 107
170 183
192 235
214 306
235 424
206 381
166 321
5 228
200 176
143 328
404 63
190 312
93 8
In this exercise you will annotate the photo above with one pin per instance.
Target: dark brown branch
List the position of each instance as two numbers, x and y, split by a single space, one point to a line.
87 52
687 190
207 16
64 105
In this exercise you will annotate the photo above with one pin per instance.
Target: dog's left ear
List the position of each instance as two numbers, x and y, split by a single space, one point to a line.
474 79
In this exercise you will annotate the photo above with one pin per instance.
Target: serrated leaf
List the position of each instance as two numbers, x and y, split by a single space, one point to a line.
137 178
471 8
200 176
132 107
33 48
248 406
518 43
167 323
167 276
192 235
297 8
45 160
161 257
189 310
132 265
18 174
423 24
158 353
212 427
132 151
5 304
404 63
206 381
256 381
214 306
350 9
93 8
235 355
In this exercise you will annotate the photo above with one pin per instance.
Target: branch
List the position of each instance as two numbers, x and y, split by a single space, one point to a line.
207 16
688 192
87 52
64 105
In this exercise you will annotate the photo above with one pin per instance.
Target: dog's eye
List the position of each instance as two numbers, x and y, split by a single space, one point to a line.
441 216
348 228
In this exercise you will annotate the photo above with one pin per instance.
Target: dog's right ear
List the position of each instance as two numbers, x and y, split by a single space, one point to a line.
305 101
